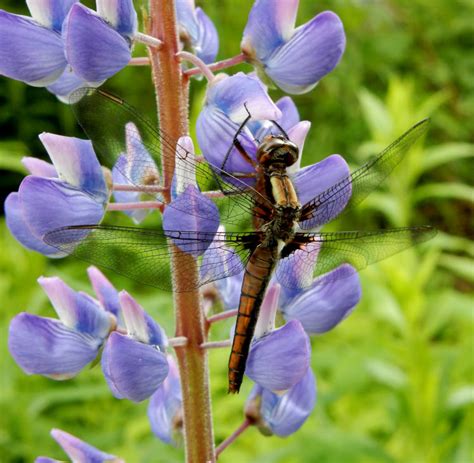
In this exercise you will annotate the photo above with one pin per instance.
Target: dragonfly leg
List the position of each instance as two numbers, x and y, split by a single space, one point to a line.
237 144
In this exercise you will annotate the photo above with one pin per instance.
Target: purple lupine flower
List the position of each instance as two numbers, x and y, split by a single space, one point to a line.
197 31
98 45
134 364
294 59
78 450
136 166
77 195
229 288
60 348
273 350
228 102
165 407
282 414
323 304
66 85
31 49
106 293
189 210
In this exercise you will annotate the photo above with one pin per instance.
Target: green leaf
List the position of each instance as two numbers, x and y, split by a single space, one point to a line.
453 243
386 373
375 113
461 397
444 191
447 152
460 266
11 154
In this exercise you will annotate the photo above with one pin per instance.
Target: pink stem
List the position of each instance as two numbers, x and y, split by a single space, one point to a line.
148 40
178 341
139 188
232 437
139 61
201 65
216 344
226 63
172 95
222 316
134 206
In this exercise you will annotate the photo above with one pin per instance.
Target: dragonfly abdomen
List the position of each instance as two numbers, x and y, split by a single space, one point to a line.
256 278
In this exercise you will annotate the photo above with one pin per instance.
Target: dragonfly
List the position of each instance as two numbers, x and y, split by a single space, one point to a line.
281 231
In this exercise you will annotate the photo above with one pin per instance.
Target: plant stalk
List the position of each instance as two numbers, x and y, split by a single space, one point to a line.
172 98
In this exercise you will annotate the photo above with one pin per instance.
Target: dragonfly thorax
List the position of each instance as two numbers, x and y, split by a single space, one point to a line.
276 149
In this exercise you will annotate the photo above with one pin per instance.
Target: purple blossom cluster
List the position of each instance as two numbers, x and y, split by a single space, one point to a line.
65 46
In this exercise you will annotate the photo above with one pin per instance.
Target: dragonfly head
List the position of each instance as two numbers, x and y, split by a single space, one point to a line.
277 149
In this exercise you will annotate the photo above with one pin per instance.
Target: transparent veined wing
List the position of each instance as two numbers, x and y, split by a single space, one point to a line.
312 255
354 188
144 255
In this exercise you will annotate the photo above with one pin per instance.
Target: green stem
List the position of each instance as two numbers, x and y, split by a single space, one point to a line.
172 97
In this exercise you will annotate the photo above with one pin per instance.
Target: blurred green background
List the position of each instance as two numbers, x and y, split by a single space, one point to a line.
395 380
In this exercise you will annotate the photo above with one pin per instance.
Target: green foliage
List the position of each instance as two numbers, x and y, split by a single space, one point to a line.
395 380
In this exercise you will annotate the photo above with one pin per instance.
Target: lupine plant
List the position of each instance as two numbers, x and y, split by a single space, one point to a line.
66 46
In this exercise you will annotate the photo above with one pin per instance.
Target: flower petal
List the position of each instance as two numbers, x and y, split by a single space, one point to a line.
49 204
230 289
219 259
21 231
270 24
165 407
285 414
186 16
215 133
314 180
29 52
191 212
268 310
297 134
133 370
105 292
94 50
120 14
76 310
57 351
185 171
314 51
327 302
141 168
121 166
292 271
270 356
207 44
50 13
80 451
289 112
66 85
76 163
230 94
39 167
139 324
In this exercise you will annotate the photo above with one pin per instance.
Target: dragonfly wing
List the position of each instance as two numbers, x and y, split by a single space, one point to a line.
144 255
354 188
312 255
104 118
